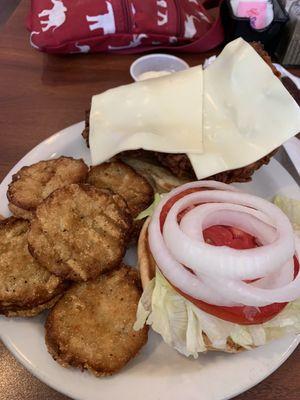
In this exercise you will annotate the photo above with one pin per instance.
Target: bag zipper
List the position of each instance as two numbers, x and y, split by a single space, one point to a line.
128 22
179 19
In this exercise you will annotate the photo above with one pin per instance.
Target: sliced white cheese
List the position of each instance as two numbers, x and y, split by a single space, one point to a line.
247 112
162 114
226 117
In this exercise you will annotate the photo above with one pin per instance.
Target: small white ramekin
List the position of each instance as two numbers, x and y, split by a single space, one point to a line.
156 62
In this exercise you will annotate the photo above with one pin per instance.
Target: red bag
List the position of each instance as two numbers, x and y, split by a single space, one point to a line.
124 26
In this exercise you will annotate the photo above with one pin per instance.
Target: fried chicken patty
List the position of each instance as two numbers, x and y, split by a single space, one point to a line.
24 283
160 178
80 231
32 184
91 327
123 180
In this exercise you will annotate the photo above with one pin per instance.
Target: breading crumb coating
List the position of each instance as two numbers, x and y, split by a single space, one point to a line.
32 184
91 327
24 283
80 232
125 181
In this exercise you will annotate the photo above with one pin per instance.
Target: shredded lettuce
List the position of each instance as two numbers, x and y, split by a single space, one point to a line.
149 211
291 207
182 325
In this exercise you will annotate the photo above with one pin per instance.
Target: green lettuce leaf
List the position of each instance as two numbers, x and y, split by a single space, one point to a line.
182 325
150 210
291 207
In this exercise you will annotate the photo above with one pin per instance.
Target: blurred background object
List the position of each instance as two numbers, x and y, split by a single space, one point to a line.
288 50
274 18
259 12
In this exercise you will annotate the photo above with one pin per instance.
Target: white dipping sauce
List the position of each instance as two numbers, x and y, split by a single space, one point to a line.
152 74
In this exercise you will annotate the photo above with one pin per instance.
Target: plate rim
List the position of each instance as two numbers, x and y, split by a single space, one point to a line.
35 372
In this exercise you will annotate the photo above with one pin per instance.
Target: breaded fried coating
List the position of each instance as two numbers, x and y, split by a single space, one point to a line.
21 212
160 178
24 283
91 326
80 232
32 184
125 181
29 312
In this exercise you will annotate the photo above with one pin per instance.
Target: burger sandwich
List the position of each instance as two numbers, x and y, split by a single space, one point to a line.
220 270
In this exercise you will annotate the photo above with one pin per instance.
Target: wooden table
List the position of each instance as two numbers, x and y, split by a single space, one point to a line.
39 95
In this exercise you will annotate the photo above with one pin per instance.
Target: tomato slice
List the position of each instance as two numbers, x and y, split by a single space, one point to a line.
245 315
220 235
169 204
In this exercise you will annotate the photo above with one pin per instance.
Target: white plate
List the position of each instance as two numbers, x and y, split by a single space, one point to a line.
158 371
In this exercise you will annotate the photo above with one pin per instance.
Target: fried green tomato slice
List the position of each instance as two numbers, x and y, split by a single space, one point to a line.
24 283
91 326
32 184
21 212
80 231
29 312
125 181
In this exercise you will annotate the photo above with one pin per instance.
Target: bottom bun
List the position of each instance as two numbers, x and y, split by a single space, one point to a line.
146 263
147 266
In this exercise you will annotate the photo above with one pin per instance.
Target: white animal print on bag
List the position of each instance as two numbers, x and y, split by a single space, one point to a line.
203 16
136 41
162 3
189 24
189 27
133 10
31 41
83 48
103 21
56 16
162 14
